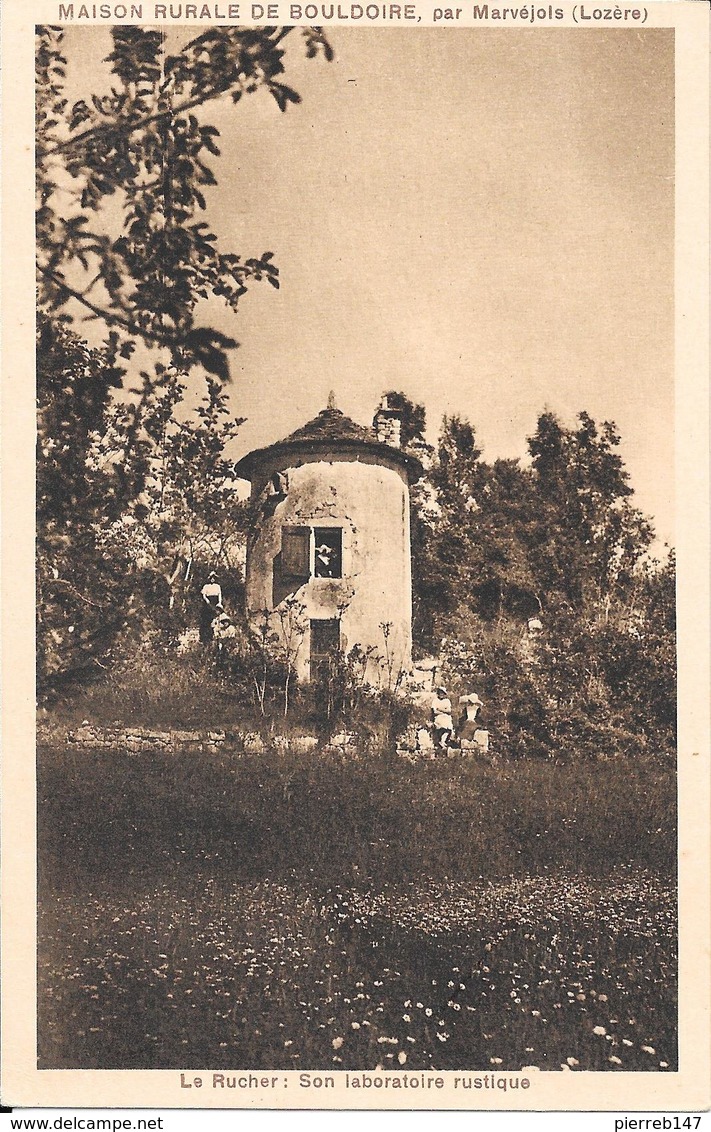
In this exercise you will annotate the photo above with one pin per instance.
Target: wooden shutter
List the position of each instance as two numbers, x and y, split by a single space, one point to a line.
296 552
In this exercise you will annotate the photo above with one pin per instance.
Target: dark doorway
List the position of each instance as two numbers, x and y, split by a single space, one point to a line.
325 642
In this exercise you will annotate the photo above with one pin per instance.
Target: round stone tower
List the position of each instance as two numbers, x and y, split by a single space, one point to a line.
328 557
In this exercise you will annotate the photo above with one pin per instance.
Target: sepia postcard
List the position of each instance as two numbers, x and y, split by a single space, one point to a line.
355 556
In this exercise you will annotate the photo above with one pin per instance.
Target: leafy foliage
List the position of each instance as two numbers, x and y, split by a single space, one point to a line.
559 540
83 596
130 498
140 154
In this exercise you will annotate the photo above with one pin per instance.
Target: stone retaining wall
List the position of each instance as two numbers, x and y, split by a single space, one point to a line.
414 744
143 740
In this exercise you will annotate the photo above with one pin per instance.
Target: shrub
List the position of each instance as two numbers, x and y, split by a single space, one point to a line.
586 689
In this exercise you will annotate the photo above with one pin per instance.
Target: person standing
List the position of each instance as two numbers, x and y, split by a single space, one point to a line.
223 634
210 606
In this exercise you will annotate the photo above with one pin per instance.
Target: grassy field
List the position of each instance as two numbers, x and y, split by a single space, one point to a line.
292 912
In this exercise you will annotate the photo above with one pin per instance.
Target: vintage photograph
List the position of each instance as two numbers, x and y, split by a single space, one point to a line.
355 555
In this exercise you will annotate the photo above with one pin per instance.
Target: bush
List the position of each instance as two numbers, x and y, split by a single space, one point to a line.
586 689
166 685
160 689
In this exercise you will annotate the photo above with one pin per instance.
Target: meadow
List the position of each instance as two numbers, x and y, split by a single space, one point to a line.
284 911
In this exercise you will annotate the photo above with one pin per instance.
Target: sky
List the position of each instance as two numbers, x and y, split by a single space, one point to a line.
481 218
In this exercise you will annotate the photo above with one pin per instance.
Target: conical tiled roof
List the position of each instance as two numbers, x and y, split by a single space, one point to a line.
332 424
330 429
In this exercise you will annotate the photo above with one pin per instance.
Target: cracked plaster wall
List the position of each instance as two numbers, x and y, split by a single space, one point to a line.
370 503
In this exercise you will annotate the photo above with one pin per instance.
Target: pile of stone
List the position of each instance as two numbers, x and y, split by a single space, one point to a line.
420 682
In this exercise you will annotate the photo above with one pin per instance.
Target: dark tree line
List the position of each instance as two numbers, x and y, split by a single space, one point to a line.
123 181
557 541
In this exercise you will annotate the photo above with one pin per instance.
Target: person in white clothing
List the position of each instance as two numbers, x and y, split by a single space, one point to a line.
442 721
210 606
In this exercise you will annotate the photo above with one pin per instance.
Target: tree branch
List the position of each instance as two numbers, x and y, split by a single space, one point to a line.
128 127
112 318
78 594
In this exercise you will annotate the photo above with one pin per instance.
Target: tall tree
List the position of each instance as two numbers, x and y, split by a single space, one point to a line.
83 597
474 550
589 537
187 516
442 566
134 496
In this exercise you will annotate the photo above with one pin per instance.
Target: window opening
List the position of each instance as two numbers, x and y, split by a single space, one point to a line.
328 552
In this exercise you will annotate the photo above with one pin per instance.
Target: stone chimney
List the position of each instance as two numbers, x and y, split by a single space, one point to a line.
386 423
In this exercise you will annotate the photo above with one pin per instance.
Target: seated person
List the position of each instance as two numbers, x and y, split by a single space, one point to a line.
442 721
